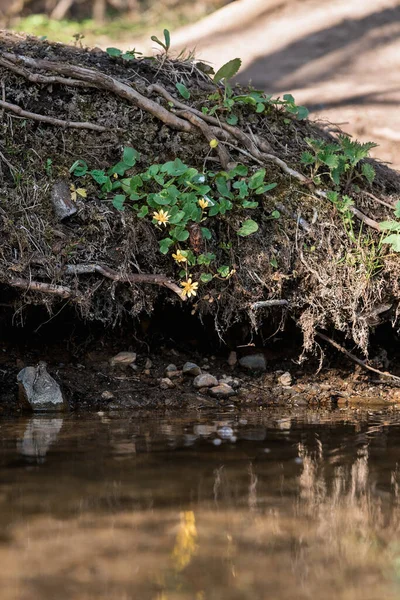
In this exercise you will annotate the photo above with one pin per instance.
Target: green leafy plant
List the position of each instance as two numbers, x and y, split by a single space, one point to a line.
128 55
392 226
166 44
180 201
339 161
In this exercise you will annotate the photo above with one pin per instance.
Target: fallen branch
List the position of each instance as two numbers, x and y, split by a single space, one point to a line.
160 280
51 120
355 359
39 286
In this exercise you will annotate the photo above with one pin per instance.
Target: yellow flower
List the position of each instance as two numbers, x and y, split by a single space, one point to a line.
75 192
189 287
214 143
179 257
162 217
115 175
203 203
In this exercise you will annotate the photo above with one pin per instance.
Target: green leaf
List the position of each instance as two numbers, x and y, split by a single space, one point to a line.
143 212
368 171
182 89
275 214
165 245
205 277
307 158
130 156
118 201
222 187
206 233
224 270
260 107
79 168
120 169
153 170
232 120
397 209
273 262
302 113
206 259
249 204
175 167
394 240
240 170
180 234
167 38
257 179
99 176
228 70
265 188
390 225
242 187
113 52
155 39
248 227
176 217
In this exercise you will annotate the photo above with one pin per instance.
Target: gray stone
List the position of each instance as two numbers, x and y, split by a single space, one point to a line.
253 362
166 383
38 390
205 381
285 379
107 395
62 202
222 391
171 369
123 359
190 368
232 381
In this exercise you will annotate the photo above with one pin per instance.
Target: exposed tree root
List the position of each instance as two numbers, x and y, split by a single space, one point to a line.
355 359
102 81
51 120
39 286
160 280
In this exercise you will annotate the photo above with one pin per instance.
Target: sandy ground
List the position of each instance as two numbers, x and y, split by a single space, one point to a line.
340 58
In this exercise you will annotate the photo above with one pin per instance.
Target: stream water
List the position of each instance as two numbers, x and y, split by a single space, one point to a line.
269 505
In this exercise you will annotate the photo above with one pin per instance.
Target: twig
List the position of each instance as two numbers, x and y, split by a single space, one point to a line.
51 120
39 286
267 303
391 206
160 280
355 358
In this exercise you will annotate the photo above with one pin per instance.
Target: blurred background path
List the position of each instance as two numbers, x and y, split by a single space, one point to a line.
340 58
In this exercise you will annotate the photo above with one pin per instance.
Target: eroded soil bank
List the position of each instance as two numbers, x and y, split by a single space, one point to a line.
141 213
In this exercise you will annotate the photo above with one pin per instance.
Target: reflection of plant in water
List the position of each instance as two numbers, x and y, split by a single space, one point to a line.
185 545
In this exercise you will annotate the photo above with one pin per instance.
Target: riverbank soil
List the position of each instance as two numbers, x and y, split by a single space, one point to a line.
133 187
341 59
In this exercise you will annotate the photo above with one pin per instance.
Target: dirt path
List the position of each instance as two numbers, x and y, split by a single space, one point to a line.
340 58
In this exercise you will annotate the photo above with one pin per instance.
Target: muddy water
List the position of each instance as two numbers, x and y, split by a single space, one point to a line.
207 507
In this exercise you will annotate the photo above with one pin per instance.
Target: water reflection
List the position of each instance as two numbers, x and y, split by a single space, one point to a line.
129 506
40 433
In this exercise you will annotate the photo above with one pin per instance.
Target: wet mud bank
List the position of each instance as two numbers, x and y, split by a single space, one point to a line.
185 366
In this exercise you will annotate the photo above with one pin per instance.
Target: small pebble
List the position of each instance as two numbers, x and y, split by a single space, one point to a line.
298 460
107 395
190 368
123 358
166 383
217 442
